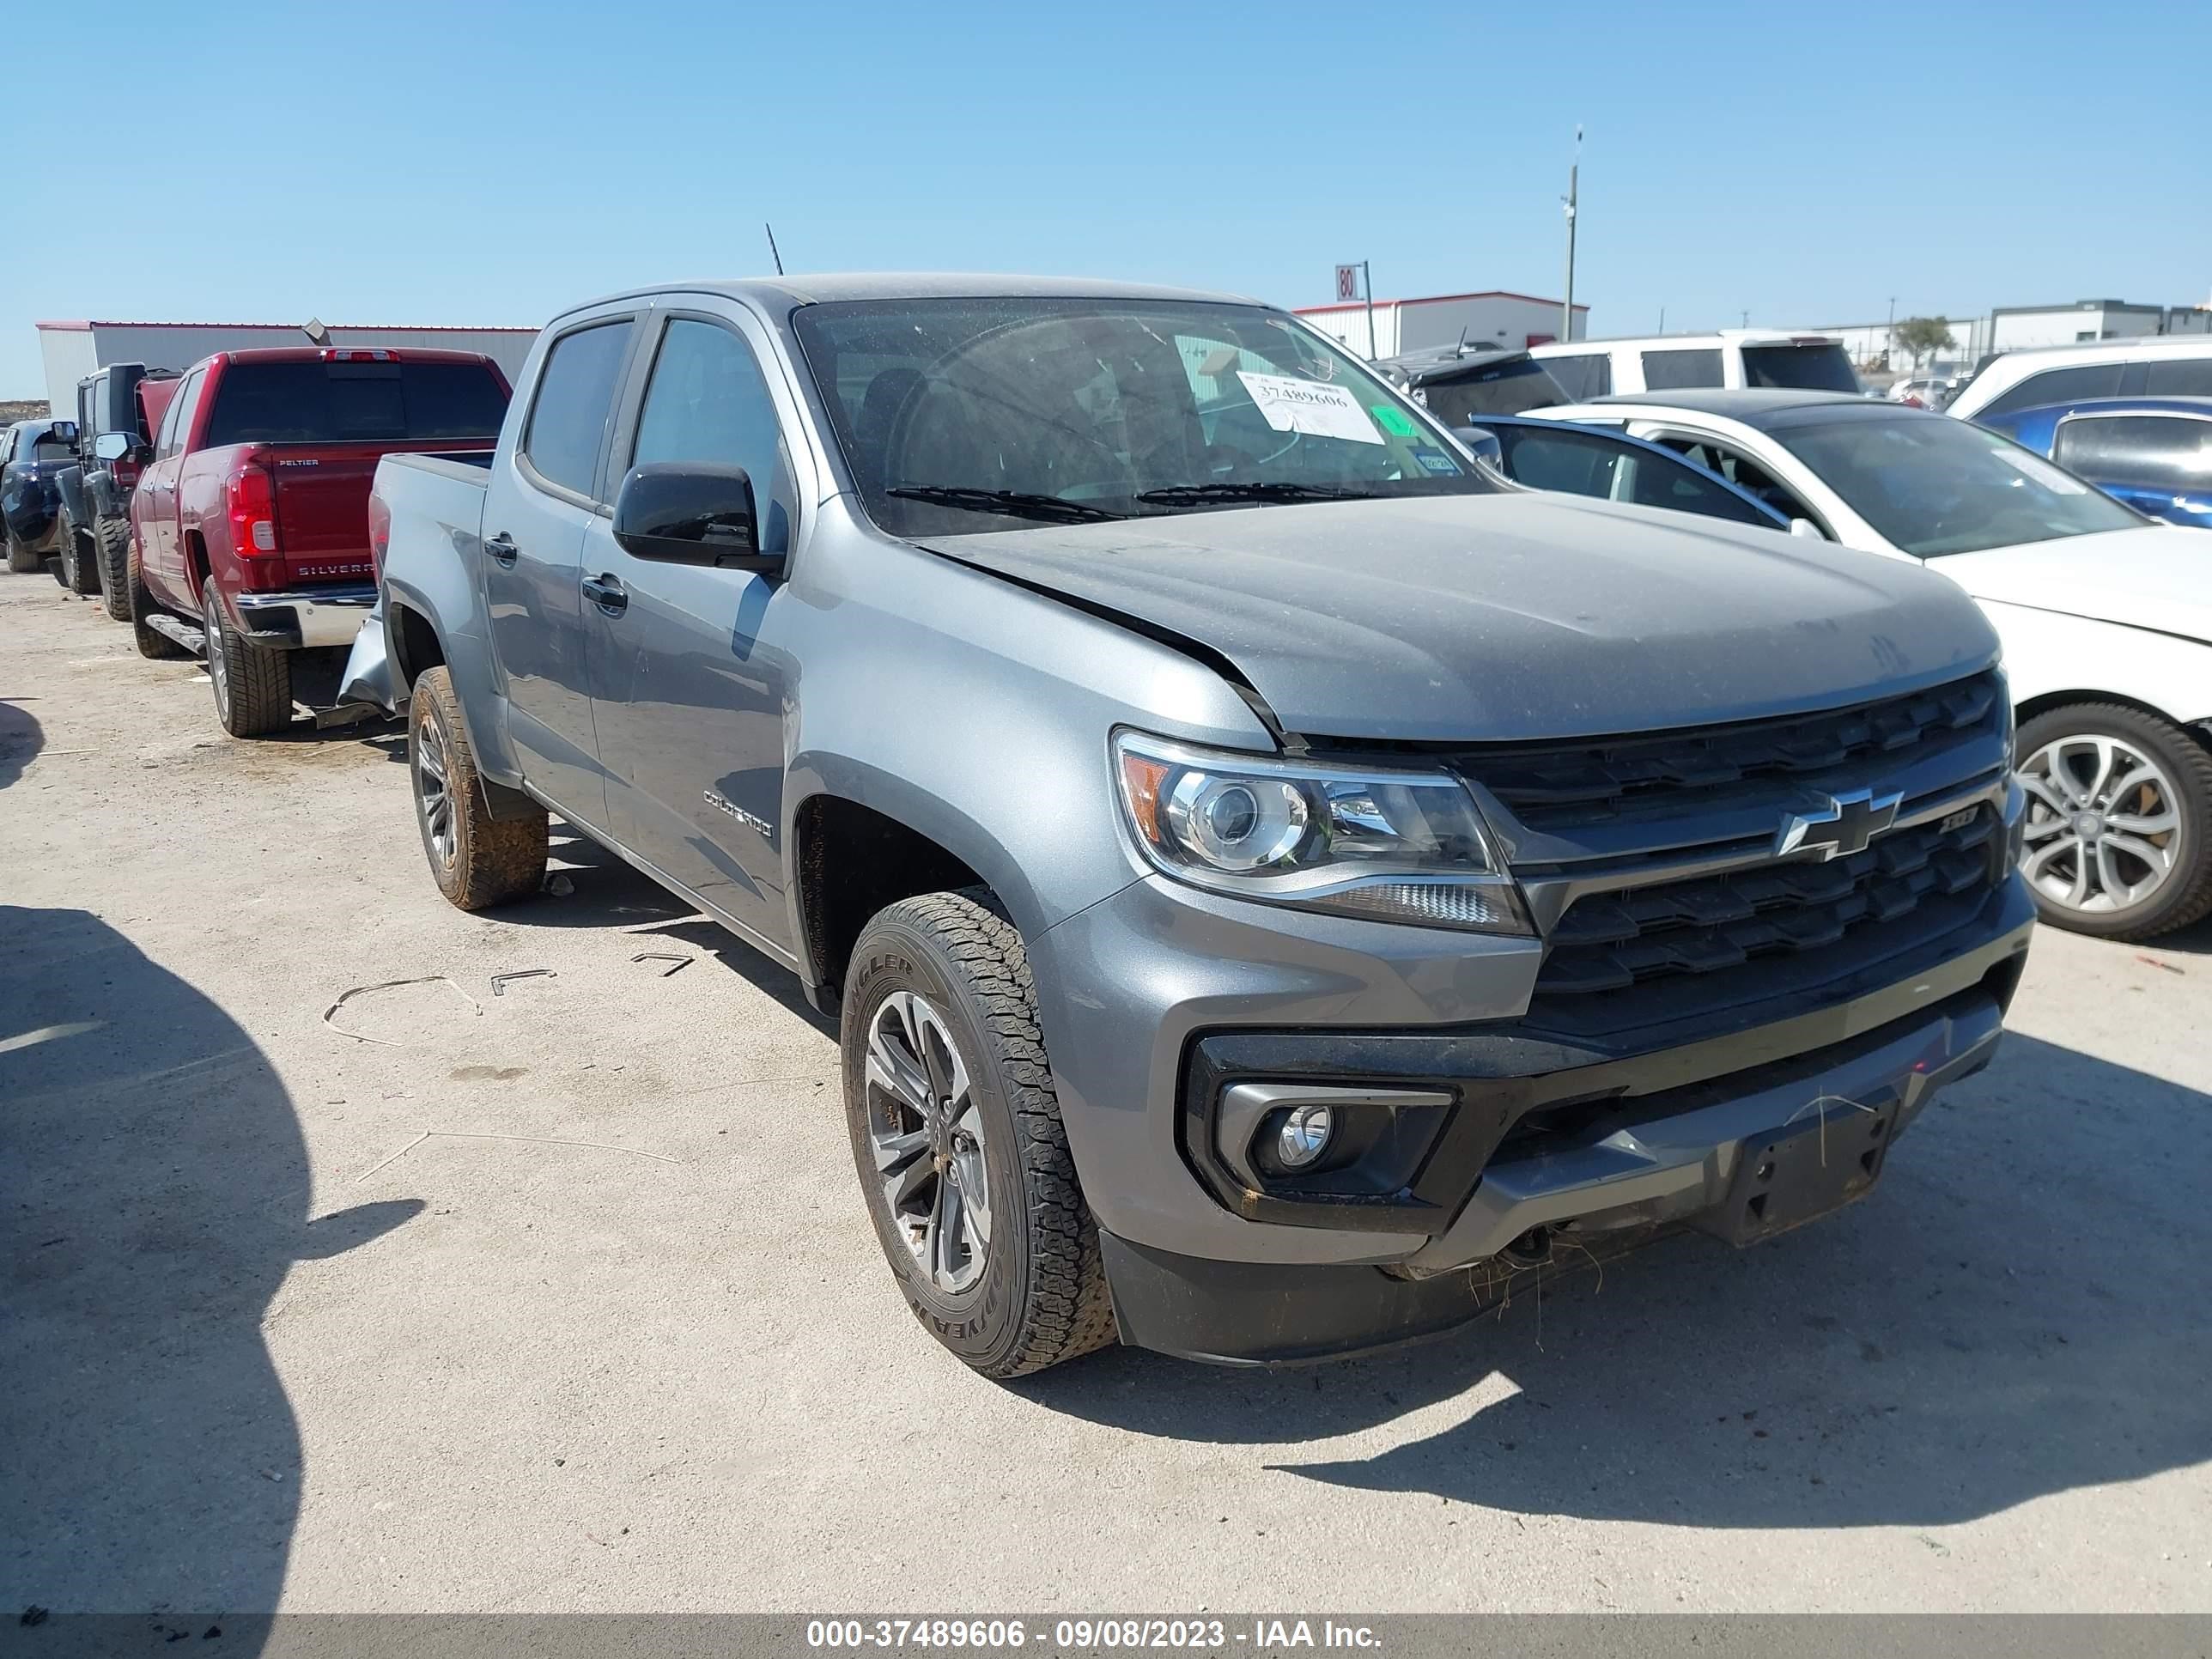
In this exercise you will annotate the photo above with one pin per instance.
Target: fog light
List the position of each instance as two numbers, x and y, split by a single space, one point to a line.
1304 1135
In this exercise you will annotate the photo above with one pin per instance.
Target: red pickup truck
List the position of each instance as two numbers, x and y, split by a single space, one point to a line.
249 526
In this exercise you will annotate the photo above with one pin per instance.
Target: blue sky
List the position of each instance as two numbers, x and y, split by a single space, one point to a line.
387 163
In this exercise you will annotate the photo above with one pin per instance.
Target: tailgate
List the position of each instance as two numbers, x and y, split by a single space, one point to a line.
322 510
322 506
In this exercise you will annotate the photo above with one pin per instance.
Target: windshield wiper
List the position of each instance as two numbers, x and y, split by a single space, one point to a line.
1206 493
1015 503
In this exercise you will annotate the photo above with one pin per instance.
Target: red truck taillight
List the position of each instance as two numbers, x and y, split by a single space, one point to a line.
252 506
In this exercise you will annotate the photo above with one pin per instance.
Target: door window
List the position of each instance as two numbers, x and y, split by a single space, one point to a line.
2170 451
1746 474
177 423
1674 371
575 394
708 402
1582 374
2058 385
2188 377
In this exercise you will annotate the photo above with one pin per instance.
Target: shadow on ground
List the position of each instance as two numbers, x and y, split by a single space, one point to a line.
2018 1310
155 1194
21 738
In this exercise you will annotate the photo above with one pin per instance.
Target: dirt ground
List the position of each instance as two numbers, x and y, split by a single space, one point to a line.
556 1292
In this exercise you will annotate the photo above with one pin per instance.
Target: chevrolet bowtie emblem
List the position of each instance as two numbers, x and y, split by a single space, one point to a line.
1845 825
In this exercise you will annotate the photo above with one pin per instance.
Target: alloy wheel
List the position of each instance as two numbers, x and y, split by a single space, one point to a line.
218 666
927 1134
434 792
2102 823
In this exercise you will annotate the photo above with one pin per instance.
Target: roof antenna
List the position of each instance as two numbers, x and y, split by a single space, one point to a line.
1459 348
778 257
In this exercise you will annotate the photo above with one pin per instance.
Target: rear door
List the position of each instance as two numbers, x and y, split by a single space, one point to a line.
690 679
543 492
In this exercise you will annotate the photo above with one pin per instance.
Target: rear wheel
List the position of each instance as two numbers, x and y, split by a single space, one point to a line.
113 539
2119 836
957 1138
20 559
152 642
477 860
252 683
79 574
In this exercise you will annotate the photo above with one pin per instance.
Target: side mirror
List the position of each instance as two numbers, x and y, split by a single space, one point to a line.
689 513
114 445
66 431
1484 445
1806 527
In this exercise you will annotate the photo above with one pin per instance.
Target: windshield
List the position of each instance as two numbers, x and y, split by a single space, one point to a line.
1505 389
977 414
1932 485
1820 367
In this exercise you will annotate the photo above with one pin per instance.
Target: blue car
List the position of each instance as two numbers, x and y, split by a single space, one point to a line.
2153 454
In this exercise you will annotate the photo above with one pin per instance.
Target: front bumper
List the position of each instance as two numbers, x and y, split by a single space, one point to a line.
1600 1142
304 618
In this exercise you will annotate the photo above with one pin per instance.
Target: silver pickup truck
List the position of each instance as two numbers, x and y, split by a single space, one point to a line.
1276 885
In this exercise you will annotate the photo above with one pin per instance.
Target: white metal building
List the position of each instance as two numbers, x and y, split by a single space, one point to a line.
1494 319
2085 320
72 351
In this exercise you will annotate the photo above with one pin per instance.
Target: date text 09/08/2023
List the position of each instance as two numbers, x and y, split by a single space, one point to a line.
1263 1636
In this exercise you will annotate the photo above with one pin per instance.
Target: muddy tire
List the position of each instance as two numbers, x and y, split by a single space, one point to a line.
151 641
957 1138
477 861
20 559
252 682
112 540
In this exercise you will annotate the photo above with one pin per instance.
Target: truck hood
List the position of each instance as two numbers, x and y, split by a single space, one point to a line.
2155 577
1501 618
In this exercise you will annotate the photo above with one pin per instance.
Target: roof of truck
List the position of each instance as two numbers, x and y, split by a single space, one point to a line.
815 289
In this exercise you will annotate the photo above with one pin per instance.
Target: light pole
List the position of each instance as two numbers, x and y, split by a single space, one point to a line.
1889 336
1569 201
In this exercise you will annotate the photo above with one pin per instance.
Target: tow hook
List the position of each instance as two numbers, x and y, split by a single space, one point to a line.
1531 1249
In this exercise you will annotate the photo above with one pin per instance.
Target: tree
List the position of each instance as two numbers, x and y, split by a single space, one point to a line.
1922 335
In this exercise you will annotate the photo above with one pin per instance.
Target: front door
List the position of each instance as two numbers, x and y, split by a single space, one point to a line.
691 677
541 499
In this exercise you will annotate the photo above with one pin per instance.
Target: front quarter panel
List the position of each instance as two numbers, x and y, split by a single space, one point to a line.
2047 652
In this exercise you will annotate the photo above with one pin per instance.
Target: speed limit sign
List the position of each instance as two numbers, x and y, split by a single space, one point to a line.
1347 282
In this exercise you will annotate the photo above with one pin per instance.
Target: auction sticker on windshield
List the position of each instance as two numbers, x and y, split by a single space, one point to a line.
2049 477
1309 407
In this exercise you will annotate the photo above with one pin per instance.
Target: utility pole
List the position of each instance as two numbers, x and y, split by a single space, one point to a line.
1889 335
1746 317
1663 319
1570 200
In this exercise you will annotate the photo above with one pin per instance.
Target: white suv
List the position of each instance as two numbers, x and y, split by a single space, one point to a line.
2145 366
1730 358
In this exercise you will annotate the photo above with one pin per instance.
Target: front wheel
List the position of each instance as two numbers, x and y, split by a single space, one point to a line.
2119 836
957 1138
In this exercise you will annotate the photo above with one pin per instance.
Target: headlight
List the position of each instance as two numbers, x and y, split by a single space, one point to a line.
1386 845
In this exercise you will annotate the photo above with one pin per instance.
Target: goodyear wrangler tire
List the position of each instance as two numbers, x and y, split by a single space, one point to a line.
111 538
477 860
958 1139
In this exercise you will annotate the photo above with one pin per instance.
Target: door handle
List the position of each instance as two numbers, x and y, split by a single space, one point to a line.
607 593
502 548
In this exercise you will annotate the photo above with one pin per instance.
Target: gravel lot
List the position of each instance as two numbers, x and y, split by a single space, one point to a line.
564 1298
